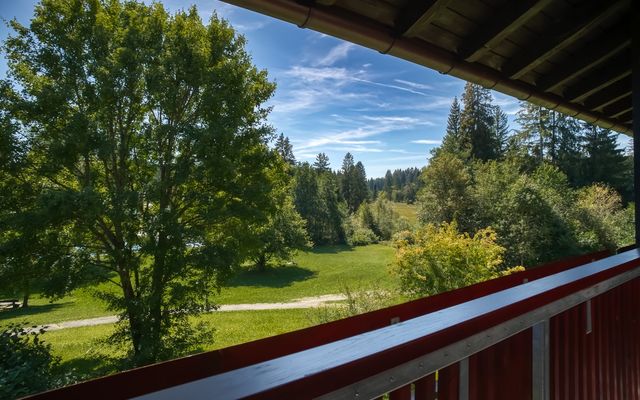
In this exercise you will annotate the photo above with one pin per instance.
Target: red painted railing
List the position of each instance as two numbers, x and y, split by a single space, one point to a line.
565 330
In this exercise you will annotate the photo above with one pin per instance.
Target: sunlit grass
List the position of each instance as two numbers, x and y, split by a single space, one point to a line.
324 270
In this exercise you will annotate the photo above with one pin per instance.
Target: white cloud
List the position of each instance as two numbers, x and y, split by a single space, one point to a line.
310 74
334 55
414 84
368 126
427 141
404 89
250 26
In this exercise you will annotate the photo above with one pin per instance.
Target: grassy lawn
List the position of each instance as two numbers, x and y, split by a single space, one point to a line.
409 211
324 270
84 350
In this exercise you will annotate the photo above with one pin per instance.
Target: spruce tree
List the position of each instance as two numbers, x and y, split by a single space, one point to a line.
322 163
604 162
451 142
476 121
284 148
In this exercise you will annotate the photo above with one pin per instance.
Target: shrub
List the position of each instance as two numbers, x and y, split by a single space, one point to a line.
26 362
439 258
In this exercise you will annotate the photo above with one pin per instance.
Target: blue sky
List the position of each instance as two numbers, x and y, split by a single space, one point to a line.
333 96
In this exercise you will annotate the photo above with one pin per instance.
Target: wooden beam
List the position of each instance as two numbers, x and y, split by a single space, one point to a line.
598 81
508 19
609 95
618 108
626 116
417 15
580 22
589 57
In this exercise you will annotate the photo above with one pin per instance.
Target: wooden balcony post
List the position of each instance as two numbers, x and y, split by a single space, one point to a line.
636 131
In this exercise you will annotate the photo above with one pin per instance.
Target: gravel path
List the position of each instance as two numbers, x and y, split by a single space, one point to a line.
306 302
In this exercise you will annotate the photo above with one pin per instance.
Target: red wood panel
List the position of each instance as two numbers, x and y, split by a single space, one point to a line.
449 382
425 388
603 364
403 393
502 371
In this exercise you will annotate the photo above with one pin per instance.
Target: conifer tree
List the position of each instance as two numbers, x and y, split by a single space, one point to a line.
476 121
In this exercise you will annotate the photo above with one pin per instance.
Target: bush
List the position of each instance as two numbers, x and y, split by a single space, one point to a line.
357 234
439 258
26 362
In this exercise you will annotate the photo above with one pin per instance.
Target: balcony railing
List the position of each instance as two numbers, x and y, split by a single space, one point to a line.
566 330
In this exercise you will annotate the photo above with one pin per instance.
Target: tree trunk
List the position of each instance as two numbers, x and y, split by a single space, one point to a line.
27 292
261 262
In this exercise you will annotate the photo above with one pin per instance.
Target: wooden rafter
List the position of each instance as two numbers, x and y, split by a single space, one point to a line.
506 22
563 34
417 15
626 116
598 81
610 94
591 56
618 107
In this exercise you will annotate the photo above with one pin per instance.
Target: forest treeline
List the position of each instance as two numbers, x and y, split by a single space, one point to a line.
554 187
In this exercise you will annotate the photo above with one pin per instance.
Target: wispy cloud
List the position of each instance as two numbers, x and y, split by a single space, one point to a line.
427 141
250 26
414 84
334 55
368 126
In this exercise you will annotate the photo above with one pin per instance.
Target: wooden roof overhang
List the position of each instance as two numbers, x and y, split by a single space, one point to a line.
572 56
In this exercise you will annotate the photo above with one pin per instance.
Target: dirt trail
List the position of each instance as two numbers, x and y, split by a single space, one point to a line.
305 302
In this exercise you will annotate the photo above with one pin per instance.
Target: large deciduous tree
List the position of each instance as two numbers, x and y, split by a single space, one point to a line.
147 130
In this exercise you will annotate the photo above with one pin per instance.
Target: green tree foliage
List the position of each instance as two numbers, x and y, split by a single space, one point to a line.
477 126
373 222
603 162
149 131
445 195
26 363
317 199
436 259
353 183
603 222
285 149
549 136
452 141
321 163
531 213
283 234
401 185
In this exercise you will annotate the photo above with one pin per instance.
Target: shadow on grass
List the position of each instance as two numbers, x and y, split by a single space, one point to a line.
276 277
90 367
31 310
334 249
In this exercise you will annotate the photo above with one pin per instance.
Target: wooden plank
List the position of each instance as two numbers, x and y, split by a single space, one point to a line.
506 22
563 34
598 81
417 15
609 95
626 116
589 57
618 108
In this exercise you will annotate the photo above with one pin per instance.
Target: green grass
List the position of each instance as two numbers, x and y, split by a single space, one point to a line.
324 270
85 351
79 304
408 211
